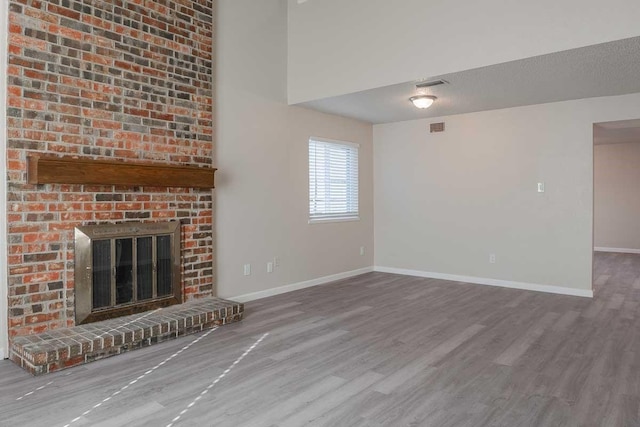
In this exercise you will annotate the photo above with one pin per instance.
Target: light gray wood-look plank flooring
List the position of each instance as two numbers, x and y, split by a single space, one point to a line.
374 350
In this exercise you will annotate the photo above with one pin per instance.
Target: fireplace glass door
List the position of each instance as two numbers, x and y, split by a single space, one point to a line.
131 270
127 266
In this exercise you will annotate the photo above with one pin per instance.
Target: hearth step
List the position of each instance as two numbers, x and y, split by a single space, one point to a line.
63 348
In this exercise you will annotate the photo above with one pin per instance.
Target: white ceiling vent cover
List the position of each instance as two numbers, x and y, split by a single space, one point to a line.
431 83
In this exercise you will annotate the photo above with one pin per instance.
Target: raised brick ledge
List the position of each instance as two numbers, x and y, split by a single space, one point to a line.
63 348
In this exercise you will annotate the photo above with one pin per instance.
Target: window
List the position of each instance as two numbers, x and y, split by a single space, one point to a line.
333 180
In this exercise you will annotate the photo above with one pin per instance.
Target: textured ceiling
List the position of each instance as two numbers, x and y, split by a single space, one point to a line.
619 132
601 70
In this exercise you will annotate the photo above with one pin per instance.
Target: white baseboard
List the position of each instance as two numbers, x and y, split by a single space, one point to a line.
490 282
2 356
617 250
300 285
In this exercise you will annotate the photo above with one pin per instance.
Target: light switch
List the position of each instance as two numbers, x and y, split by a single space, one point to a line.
541 187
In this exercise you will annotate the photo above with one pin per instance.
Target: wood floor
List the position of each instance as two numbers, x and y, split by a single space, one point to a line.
375 350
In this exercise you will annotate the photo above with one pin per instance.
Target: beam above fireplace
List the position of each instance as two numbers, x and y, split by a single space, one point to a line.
73 170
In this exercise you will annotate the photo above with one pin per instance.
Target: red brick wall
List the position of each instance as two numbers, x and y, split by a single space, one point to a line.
123 79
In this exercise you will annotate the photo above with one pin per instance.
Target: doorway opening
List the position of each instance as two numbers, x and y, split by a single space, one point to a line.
616 207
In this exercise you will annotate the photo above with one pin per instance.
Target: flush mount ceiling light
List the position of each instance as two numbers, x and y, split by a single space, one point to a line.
422 101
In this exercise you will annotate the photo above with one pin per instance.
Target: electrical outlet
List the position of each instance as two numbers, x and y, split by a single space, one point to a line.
492 258
270 267
247 269
361 250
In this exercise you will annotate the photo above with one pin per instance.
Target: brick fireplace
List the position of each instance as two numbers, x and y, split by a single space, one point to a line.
123 80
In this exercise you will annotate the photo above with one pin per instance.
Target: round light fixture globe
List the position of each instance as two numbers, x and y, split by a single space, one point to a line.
422 101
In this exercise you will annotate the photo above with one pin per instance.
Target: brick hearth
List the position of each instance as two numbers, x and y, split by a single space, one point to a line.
67 347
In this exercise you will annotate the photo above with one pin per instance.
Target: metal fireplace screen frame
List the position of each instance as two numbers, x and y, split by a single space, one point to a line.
110 237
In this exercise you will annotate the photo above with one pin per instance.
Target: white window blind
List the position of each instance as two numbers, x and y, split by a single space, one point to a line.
333 180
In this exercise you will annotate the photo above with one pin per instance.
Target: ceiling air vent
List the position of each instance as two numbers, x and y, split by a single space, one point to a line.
431 83
437 127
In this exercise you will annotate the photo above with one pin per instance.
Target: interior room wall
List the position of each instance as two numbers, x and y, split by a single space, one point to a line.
617 197
262 159
338 47
444 202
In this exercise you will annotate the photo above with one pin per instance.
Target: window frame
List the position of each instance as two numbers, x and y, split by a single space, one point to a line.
343 216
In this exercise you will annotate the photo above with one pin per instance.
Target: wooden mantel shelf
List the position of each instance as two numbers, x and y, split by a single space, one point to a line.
71 170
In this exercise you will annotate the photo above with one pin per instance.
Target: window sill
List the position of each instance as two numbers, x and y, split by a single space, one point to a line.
328 220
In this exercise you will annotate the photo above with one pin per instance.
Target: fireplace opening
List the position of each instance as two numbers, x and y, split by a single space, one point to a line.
123 269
